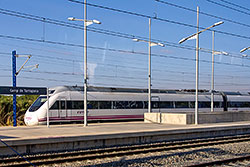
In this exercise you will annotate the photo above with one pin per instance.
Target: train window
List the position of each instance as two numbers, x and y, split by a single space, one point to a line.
62 104
104 105
205 104
239 104
77 104
80 105
55 106
69 105
145 104
191 104
155 104
38 103
234 104
217 104
120 104
132 104
127 104
138 104
181 104
246 104
58 105
92 104
166 104
222 104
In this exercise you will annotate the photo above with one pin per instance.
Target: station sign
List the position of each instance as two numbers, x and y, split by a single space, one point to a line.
23 90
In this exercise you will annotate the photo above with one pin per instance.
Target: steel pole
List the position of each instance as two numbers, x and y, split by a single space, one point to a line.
47 107
149 68
85 64
212 75
14 85
197 71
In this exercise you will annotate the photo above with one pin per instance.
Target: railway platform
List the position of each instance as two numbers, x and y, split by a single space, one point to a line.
36 139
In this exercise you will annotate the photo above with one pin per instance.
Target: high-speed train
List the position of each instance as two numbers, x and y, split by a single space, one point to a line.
66 103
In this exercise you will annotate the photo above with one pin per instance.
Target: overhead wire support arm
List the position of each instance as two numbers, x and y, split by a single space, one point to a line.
32 67
193 35
28 57
244 49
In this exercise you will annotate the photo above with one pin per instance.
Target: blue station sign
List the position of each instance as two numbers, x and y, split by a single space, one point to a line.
23 90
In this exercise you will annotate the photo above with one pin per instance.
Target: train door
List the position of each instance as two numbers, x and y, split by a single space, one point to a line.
62 108
156 104
54 110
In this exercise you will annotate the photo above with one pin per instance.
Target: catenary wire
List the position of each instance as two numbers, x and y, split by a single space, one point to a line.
97 30
132 78
182 72
50 57
77 26
116 50
200 12
228 7
234 4
168 71
111 76
157 18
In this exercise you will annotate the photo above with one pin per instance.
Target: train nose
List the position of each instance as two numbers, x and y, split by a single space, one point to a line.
30 119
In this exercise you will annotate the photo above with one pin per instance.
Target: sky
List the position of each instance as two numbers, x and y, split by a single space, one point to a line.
40 28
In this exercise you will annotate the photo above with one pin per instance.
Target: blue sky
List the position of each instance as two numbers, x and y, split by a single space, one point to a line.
172 67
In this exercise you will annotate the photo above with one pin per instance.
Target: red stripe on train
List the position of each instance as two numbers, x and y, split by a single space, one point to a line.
78 118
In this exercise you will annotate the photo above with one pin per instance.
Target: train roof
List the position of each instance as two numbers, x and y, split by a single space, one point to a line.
236 93
126 90
136 90
112 89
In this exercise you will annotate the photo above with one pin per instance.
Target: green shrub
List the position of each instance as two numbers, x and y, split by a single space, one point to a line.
6 108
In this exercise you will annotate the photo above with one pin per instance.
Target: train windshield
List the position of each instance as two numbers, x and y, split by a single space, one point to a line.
38 103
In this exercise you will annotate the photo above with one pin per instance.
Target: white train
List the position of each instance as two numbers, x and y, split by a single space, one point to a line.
66 103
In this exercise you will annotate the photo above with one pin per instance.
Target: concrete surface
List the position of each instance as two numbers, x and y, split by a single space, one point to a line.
29 140
204 117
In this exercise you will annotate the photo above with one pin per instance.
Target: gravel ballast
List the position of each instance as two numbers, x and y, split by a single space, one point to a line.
173 158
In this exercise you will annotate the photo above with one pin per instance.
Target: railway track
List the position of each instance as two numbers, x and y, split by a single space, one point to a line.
235 161
56 158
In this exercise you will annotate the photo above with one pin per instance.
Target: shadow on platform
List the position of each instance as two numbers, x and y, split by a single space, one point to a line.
6 137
